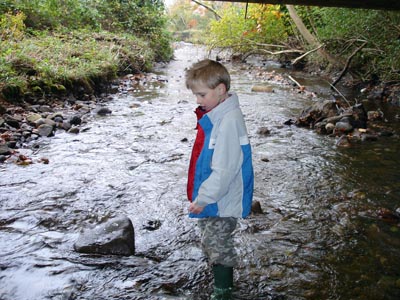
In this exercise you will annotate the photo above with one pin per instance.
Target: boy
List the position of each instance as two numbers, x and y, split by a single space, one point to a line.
220 180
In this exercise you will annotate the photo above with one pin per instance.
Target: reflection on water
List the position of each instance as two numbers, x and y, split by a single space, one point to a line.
320 236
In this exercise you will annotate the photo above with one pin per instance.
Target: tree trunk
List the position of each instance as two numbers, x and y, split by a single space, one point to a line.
308 36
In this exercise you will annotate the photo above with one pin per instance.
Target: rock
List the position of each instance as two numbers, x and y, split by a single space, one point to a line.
369 137
12 121
75 120
256 207
334 119
45 108
4 150
66 126
45 130
39 122
343 141
320 127
58 89
115 237
56 117
319 111
343 127
152 225
263 131
74 130
102 111
44 121
289 122
329 128
26 127
50 122
12 144
262 88
33 118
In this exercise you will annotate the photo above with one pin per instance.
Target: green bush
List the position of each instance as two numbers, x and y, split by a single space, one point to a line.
12 27
343 30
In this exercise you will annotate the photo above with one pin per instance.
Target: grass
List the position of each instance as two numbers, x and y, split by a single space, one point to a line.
45 60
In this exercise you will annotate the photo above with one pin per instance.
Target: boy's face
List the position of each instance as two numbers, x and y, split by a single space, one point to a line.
208 98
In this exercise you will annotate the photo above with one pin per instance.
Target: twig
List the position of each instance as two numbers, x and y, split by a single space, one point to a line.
294 80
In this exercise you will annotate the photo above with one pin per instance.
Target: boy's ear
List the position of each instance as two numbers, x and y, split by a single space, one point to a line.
221 89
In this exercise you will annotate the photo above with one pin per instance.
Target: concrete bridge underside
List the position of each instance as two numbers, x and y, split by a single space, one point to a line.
368 4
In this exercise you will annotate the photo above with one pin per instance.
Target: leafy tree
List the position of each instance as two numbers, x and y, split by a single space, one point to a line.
263 24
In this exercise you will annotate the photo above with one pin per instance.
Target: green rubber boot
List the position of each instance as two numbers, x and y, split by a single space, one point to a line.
223 282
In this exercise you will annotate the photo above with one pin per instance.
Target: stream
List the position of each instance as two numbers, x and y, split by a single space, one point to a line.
319 236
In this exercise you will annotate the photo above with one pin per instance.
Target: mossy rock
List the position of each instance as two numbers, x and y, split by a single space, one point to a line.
12 93
58 89
2 110
37 90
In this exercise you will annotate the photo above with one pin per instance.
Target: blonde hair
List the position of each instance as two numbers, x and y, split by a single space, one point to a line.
209 73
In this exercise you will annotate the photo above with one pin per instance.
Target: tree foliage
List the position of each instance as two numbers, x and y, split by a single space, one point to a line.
345 29
370 37
261 24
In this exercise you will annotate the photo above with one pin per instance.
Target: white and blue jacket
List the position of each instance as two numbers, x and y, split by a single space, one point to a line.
221 172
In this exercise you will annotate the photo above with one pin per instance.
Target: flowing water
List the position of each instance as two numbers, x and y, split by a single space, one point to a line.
319 236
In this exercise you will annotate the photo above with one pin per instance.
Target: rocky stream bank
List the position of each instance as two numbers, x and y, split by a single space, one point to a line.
371 117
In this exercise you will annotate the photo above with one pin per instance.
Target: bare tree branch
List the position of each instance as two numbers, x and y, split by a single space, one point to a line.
217 16
264 51
348 63
295 61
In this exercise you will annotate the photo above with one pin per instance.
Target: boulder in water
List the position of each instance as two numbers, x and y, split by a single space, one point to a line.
115 237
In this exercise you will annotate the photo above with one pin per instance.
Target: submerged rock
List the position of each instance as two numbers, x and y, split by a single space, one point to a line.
115 237
102 111
262 88
4 150
264 131
256 208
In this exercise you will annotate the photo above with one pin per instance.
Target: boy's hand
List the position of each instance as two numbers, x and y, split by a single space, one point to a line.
195 209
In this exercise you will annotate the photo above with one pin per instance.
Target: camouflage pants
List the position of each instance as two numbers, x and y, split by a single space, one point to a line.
217 240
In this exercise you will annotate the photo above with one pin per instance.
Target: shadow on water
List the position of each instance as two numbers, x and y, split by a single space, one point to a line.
320 235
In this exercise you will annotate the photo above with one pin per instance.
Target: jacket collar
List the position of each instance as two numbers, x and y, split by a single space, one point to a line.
231 103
